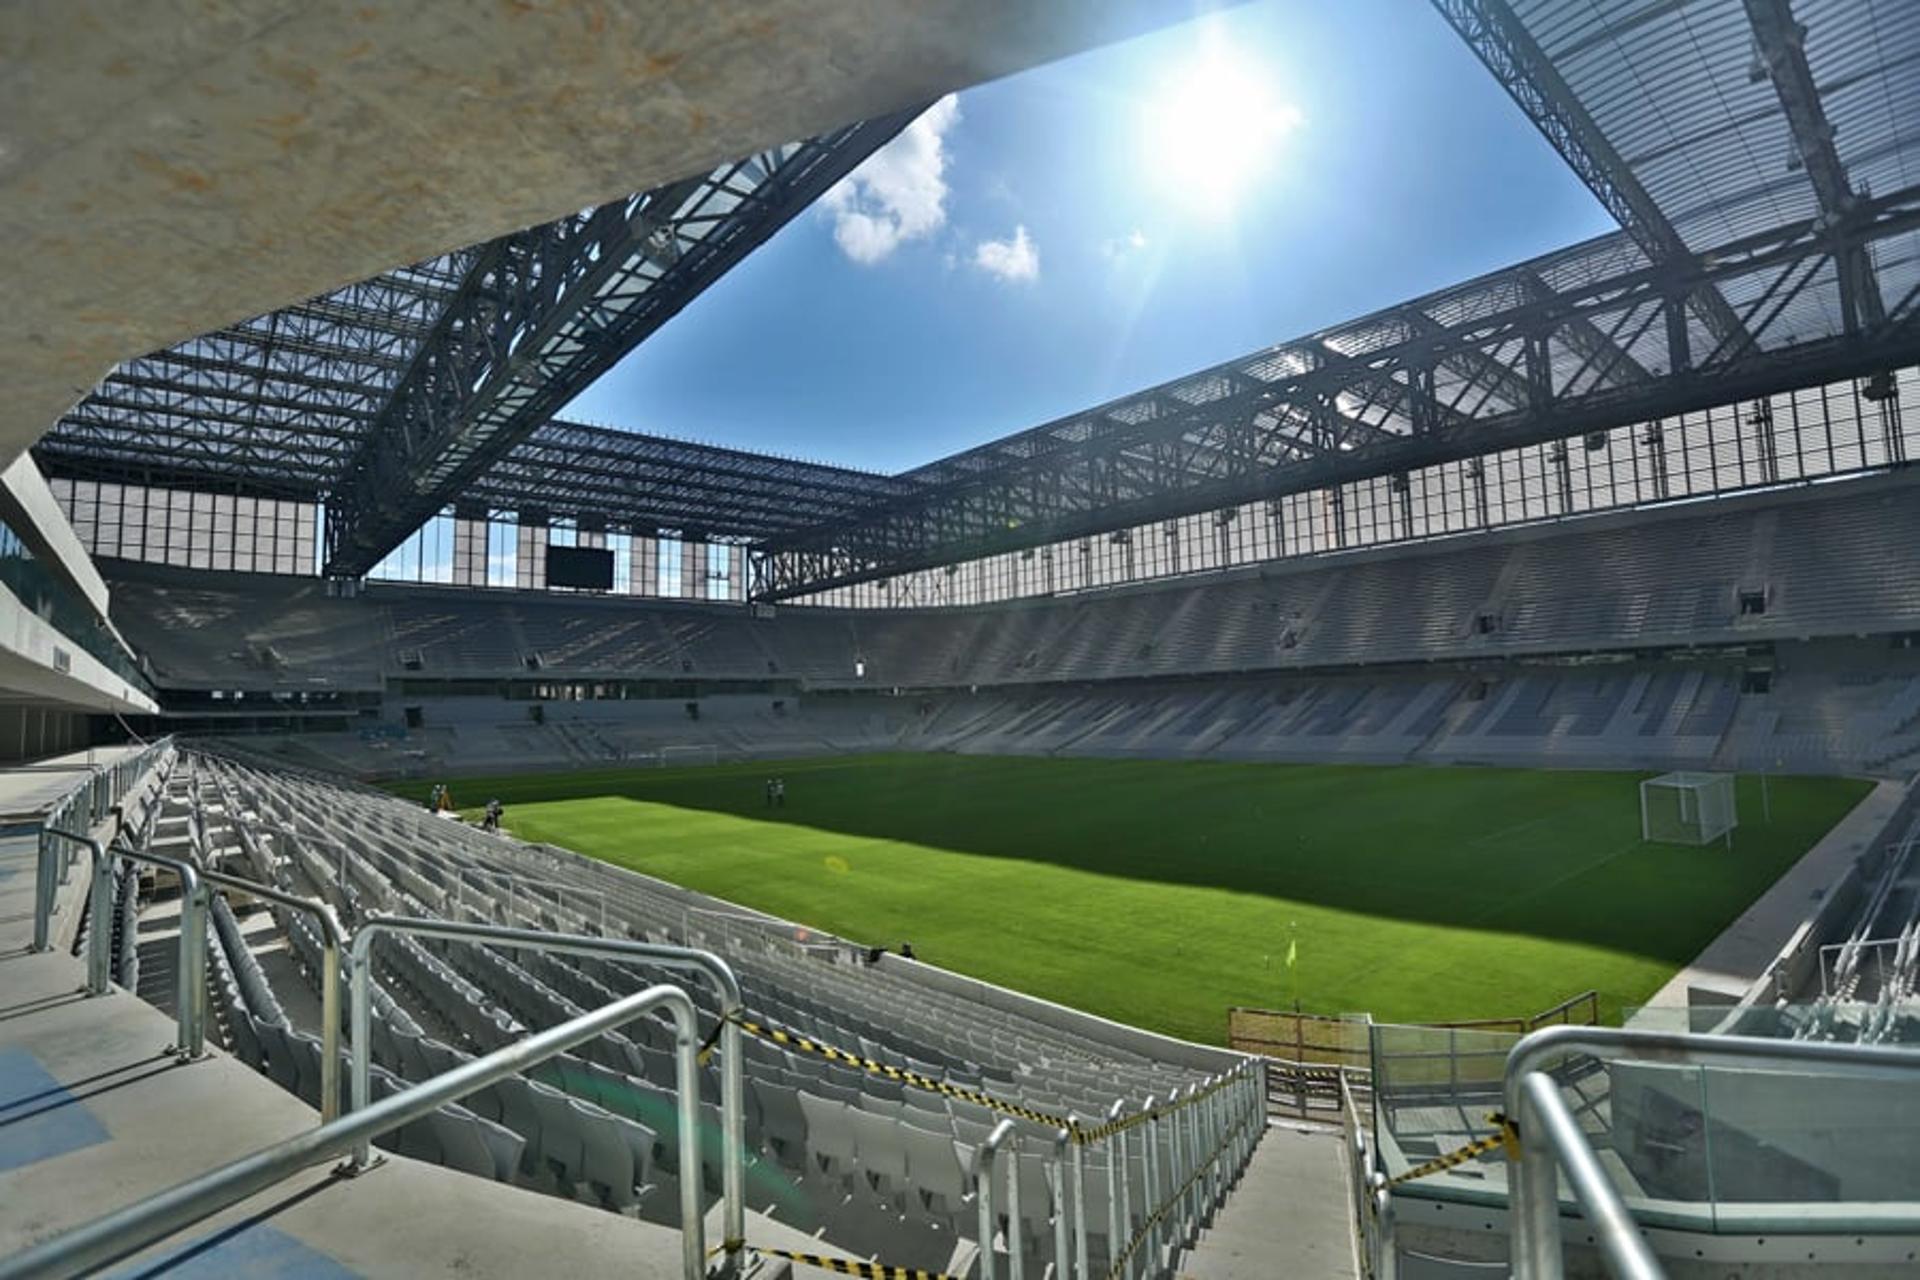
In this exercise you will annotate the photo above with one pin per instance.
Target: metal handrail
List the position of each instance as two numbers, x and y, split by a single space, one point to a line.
333 941
716 970
985 1157
1534 1194
125 1231
85 802
1057 1189
514 879
1555 1131
190 998
191 992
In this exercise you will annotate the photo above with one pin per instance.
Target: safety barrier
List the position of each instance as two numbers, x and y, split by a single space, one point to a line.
126 1231
1372 1199
190 999
190 968
687 1041
1189 1147
85 807
1551 1142
515 884
1184 1175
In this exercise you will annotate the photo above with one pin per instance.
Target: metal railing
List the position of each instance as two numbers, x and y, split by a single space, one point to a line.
716 970
986 1157
1551 1141
190 998
126 1231
516 882
1192 1148
82 809
190 969
333 942
1372 1201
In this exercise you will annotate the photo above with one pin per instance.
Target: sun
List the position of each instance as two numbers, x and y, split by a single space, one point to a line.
1213 129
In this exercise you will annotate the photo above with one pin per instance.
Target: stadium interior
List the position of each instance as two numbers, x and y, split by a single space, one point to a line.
294 534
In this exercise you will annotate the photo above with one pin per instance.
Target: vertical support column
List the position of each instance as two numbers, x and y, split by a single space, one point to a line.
1057 1192
1535 1204
1078 1192
46 884
645 571
1016 1236
693 570
1115 1149
100 927
469 545
1153 1193
530 545
1119 1160
192 993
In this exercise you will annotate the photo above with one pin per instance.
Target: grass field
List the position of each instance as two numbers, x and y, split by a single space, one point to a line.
1161 893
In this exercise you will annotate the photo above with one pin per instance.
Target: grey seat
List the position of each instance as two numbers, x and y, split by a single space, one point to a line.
518 1113
882 1152
561 1143
246 1038
419 1140
830 1141
783 1123
276 1056
463 1145
934 1165
607 1173
304 1051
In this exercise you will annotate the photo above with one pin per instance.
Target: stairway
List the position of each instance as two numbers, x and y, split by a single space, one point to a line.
1291 1215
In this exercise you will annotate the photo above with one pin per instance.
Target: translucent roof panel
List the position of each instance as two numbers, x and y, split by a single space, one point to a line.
1682 92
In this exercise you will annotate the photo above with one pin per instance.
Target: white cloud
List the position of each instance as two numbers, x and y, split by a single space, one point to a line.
1119 247
1016 259
899 193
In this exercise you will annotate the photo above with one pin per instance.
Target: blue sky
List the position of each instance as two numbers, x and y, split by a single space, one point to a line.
1053 240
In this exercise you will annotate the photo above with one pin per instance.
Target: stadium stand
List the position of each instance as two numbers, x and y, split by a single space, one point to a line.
867 1164
1641 502
1371 656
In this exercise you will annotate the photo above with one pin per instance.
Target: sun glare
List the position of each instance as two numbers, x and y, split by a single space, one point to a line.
1213 130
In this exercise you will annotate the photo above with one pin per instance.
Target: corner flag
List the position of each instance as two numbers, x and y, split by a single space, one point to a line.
1293 951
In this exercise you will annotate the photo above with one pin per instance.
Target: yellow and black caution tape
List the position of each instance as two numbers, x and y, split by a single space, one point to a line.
807 1044
901 1075
1119 1264
844 1266
1506 1135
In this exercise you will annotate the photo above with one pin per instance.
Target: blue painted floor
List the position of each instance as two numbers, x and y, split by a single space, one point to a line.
257 1252
39 1119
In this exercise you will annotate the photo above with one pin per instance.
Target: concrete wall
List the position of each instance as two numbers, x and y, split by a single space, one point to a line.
170 168
29 506
33 654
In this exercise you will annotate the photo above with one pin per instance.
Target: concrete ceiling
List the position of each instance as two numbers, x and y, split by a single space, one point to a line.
168 167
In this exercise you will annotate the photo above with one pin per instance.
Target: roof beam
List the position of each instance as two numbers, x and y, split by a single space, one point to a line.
1782 44
1103 471
1523 68
543 312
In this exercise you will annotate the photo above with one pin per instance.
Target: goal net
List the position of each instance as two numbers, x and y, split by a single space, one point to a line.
1688 808
686 757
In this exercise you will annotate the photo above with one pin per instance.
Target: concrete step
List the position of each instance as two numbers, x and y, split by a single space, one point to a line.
93 1116
1289 1216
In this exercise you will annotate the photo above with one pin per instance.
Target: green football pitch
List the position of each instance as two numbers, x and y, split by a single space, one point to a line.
1161 893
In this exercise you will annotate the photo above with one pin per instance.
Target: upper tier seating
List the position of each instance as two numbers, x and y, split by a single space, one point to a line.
1826 561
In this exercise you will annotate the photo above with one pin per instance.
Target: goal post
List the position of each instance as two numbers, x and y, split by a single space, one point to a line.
1688 808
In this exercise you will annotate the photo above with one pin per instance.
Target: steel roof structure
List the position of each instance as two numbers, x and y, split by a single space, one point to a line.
1761 156
390 398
